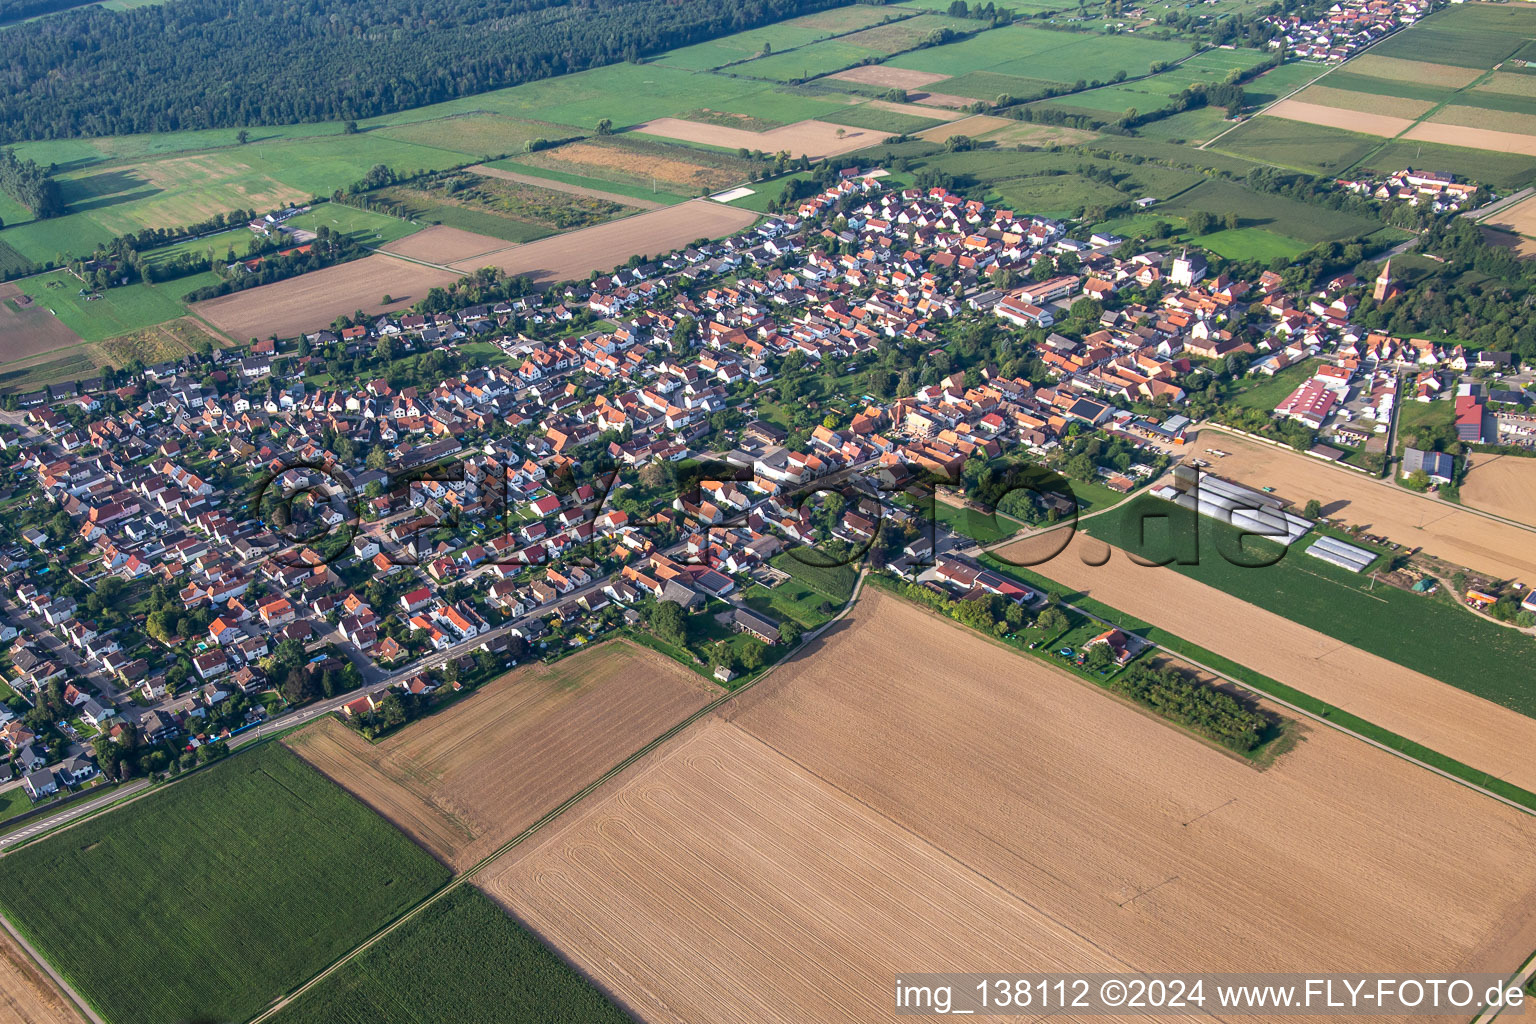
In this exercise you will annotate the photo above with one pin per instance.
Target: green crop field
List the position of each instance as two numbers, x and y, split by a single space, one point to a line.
1282 81
989 85
835 581
880 120
1427 634
12 261
235 885
1313 148
117 311
461 952
1289 217
1251 244
806 61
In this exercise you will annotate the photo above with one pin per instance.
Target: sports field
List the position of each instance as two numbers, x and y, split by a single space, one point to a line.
227 869
464 781
844 823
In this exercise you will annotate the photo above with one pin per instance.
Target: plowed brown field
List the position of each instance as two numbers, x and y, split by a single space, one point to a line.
574 254
26 996
1453 534
1335 117
891 78
466 780
443 244
312 301
1473 138
1453 722
1504 485
909 797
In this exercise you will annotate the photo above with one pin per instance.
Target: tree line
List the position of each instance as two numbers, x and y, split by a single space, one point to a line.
1179 697
30 185
228 63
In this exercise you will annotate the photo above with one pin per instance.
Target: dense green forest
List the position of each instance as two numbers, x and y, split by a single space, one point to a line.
30 185
226 63
18 10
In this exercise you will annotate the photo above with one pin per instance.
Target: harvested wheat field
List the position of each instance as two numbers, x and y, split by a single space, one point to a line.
1453 722
443 244
846 822
26 995
1362 102
1034 134
312 301
464 781
1336 117
1519 219
974 126
814 139
560 186
575 254
890 78
1473 138
1441 529
1401 70
1504 485
915 109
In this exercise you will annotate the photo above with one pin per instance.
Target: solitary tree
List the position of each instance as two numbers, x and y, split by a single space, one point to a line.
605 126
242 136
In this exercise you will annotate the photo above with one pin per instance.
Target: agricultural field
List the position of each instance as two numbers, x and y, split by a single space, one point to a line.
808 138
27 996
27 328
575 254
221 864
1407 518
1428 635
161 343
1499 170
1313 148
487 135
310 301
1502 484
496 205
109 313
637 161
467 779
785 35
1279 215
463 952
824 850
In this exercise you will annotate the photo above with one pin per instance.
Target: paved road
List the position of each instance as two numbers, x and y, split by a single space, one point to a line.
1482 213
71 812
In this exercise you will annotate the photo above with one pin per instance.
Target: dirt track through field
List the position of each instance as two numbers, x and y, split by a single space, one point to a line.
467 779
311 302
575 254
1441 529
909 797
1453 722
1336 117
26 995
560 186
814 139
1504 485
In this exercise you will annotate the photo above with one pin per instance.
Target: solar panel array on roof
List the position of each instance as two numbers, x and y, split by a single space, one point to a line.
1345 556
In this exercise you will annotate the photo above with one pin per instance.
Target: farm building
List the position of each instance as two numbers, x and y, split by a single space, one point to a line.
1345 556
1232 503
